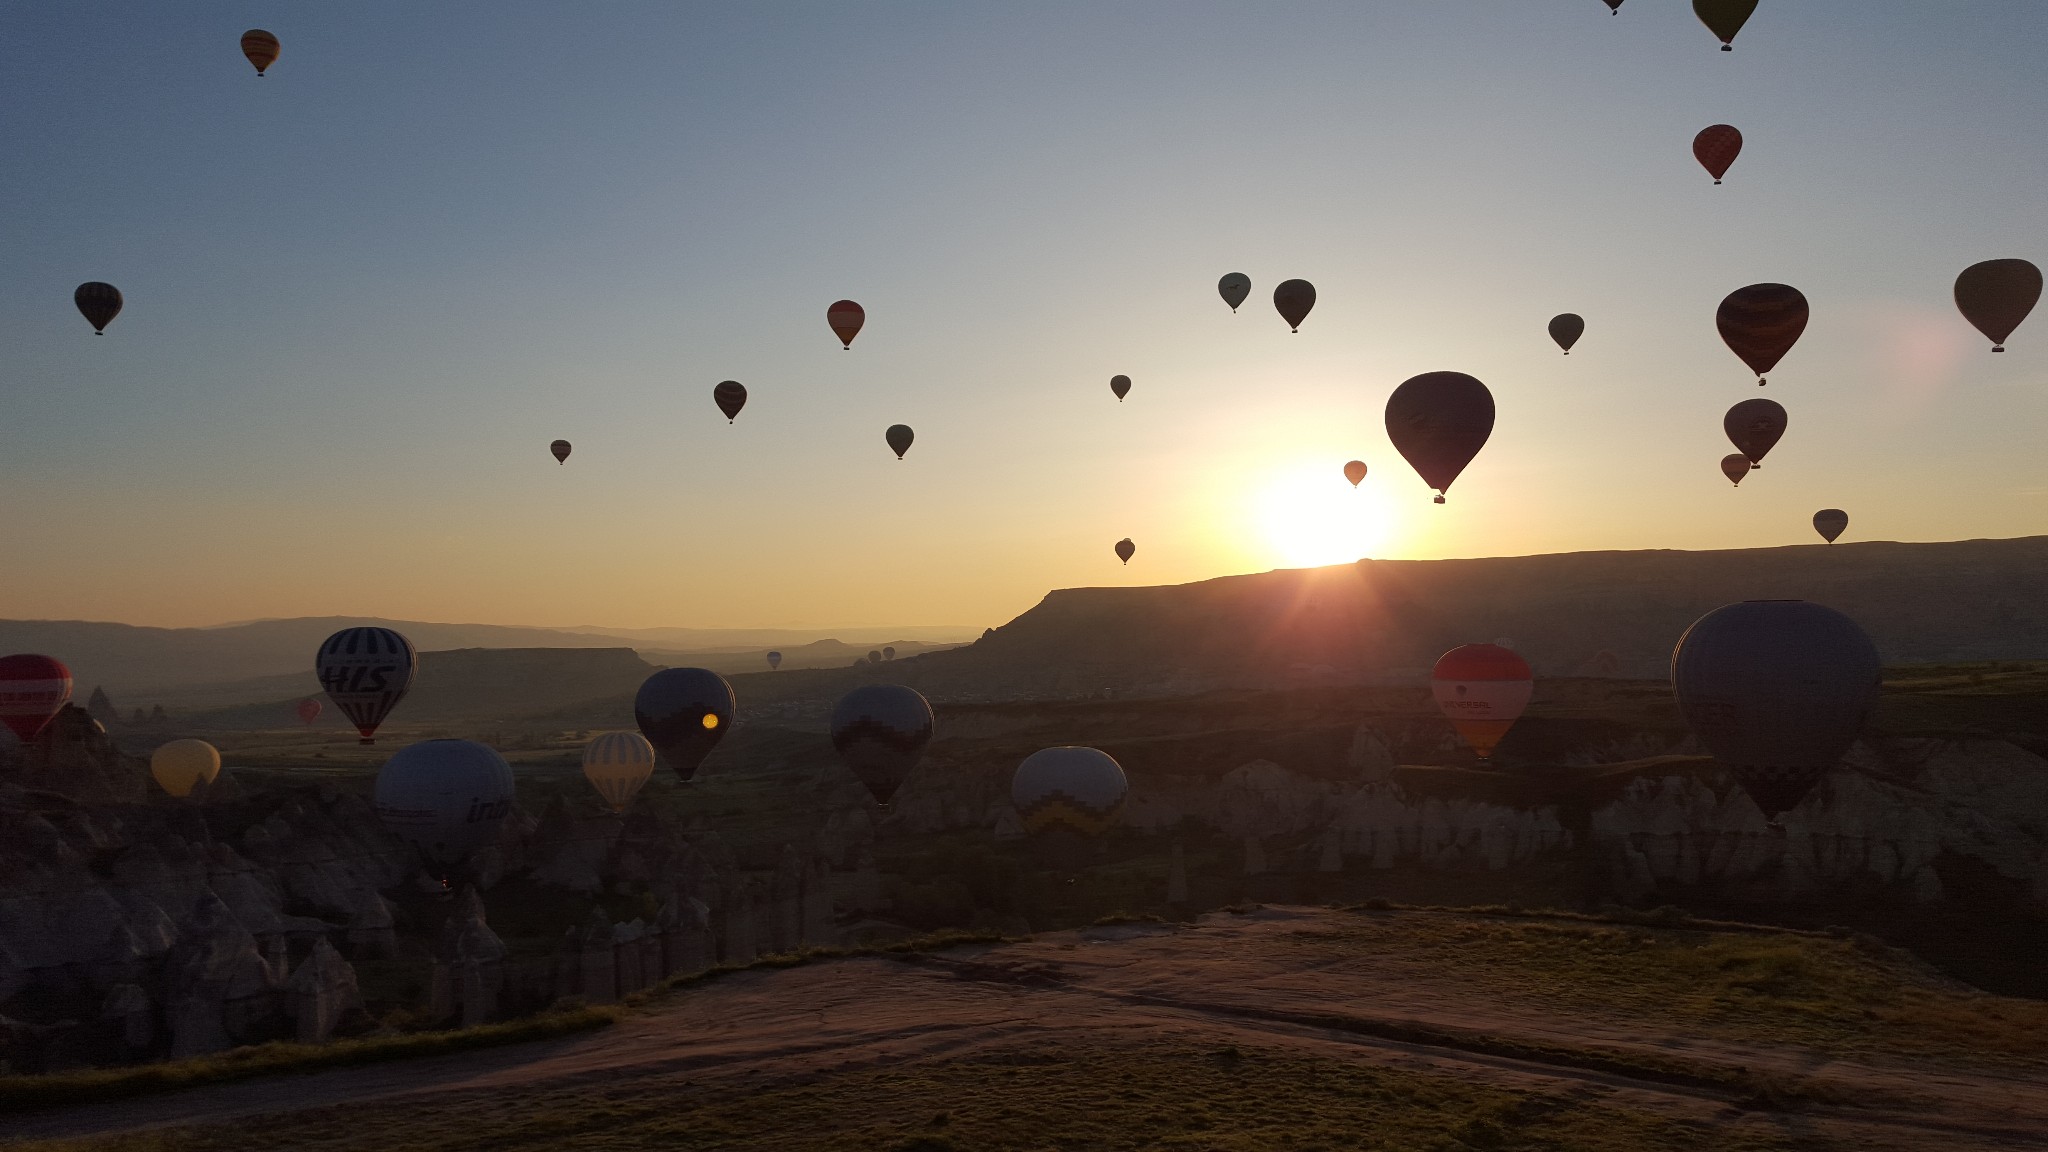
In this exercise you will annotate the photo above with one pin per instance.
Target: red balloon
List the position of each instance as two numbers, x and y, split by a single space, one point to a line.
32 690
846 317
309 711
1716 147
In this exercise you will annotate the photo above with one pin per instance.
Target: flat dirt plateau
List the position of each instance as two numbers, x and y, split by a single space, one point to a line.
1265 1029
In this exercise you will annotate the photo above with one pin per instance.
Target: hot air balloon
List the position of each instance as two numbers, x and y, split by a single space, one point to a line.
899 437
1355 472
1735 466
684 713
1753 426
730 396
261 48
1996 295
874 655
366 672
1566 328
182 765
1716 147
774 661
1121 385
98 303
1724 18
1078 789
1294 298
1439 421
618 764
32 690
889 652
1125 549
1613 7
561 450
448 798
846 317
1482 689
880 730
1760 324
1830 523
1234 287
308 710
1776 690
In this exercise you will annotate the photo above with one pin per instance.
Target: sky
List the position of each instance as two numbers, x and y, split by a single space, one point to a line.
366 291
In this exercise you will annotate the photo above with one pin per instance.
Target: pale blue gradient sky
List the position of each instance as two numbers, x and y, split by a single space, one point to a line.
366 291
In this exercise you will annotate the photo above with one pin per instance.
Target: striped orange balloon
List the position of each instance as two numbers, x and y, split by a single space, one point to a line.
261 48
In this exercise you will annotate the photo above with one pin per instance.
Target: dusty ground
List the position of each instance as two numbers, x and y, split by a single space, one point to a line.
1280 1028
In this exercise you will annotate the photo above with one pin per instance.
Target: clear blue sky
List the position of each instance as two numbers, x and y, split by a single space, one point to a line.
365 292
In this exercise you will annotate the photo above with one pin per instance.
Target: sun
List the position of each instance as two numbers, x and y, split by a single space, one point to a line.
1310 515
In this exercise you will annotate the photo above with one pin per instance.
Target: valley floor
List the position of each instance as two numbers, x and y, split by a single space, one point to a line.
1272 1028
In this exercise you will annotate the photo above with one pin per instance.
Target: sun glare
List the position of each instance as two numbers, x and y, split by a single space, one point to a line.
1310 515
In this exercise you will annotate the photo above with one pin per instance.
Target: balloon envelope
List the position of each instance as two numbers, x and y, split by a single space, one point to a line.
845 317
1761 322
684 713
730 396
1355 472
1234 287
1830 523
1294 298
1724 18
560 448
1777 690
1754 426
1996 295
889 652
308 710
181 765
1482 689
1439 421
1121 385
32 690
899 437
448 798
366 672
618 765
1735 466
774 660
1566 328
1081 789
1125 549
261 48
99 303
1716 147
880 731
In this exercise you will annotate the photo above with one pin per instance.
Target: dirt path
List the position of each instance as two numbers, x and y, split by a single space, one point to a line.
1226 981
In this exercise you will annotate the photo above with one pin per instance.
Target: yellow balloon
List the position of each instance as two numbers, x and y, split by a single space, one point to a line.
182 765
618 764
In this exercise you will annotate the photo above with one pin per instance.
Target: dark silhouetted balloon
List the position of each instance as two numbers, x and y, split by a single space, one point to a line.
98 303
448 798
1776 690
1724 18
774 661
1760 324
1439 421
874 655
1830 523
1735 466
846 317
1482 689
1754 426
684 713
561 450
1996 295
889 652
1079 789
33 690
1716 147
1125 549
880 730
1354 471
899 437
366 672
730 396
308 710
261 48
1294 298
1234 287
1566 328
1613 7
1121 385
